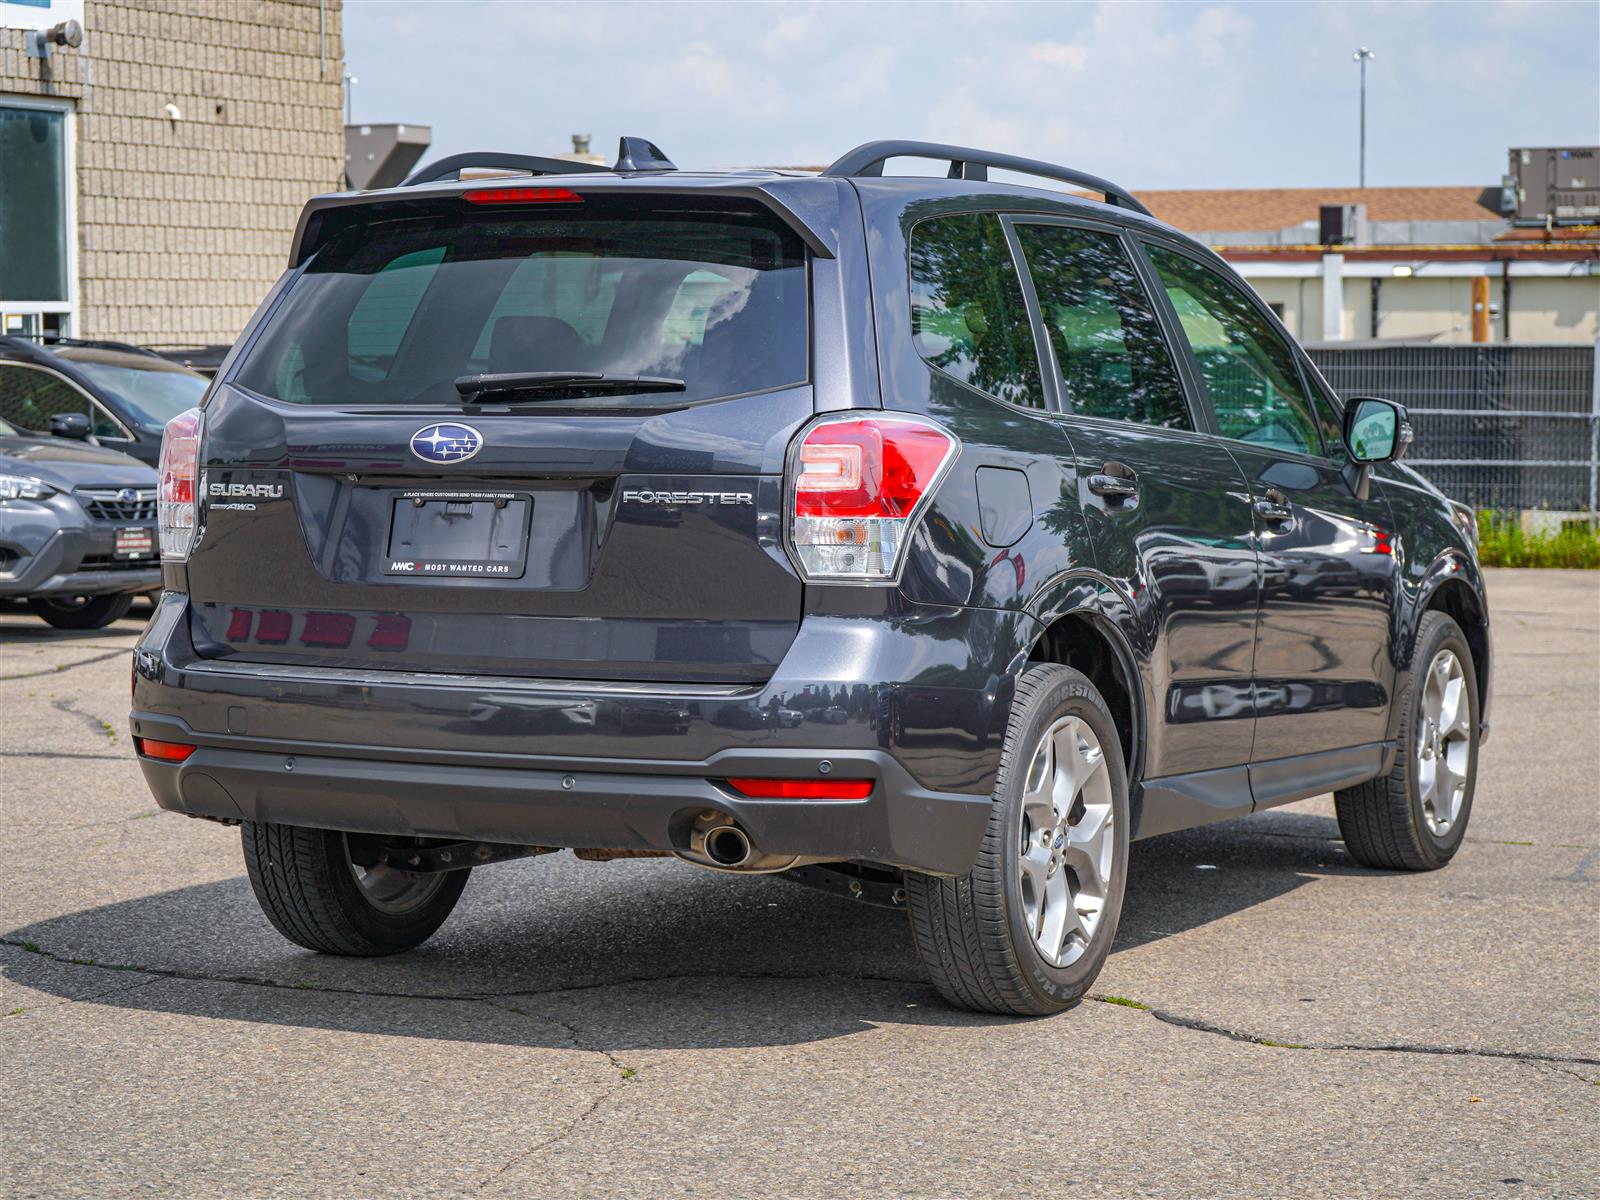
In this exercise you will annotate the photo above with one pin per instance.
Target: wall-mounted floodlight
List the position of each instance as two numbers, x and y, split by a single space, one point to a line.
40 42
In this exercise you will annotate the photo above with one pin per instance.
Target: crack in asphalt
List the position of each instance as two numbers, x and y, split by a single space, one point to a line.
69 705
624 1074
488 997
1196 1025
1193 1024
57 670
61 754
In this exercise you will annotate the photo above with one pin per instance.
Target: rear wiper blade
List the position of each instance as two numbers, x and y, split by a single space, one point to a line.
473 387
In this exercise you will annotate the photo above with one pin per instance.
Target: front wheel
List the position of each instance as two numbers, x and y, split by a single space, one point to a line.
1028 929
318 897
1414 818
81 612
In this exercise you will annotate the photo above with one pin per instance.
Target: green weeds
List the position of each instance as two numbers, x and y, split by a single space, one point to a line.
1502 542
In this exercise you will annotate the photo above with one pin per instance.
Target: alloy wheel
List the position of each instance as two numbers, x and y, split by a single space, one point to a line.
1068 843
1444 742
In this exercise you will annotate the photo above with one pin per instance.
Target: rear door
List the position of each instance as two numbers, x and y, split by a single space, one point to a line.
1164 501
360 509
1322 669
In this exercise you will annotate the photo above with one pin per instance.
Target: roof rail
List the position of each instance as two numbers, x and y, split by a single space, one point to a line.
966 163
452 165
50 341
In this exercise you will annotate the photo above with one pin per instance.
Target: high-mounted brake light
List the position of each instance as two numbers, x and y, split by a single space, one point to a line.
803 789
522 195
857 486
177 506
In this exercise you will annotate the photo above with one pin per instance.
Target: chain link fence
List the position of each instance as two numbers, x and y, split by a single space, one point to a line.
1503 427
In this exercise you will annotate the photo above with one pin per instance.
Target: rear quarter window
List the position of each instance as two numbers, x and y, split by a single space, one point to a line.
968 317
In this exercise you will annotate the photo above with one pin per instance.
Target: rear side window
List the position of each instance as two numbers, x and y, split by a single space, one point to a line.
967 313
394 311
1113 358
1249 370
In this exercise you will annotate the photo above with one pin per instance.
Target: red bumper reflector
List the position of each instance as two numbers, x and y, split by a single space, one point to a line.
521 195
803 789
165 751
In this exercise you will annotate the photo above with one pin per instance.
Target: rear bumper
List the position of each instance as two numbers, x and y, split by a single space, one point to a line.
633 808
618 766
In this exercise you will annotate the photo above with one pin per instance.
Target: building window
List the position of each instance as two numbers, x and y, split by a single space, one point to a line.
37 234
1277 308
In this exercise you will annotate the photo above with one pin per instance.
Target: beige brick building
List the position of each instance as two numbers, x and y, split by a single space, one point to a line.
151 177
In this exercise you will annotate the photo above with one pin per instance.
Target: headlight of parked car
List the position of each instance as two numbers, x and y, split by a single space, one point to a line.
21 487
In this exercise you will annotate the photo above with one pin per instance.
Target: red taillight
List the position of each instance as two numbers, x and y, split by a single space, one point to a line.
521 195
178 513
273 627
390 632
165 751
803 789
857 486
327 629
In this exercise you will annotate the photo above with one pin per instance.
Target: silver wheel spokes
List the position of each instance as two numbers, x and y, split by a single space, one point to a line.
1444 742
392 891
1068 843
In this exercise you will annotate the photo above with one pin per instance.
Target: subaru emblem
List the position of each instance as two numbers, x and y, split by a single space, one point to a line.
447 442
128 495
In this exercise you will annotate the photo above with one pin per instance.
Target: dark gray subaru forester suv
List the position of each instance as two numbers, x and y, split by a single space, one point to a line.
927 539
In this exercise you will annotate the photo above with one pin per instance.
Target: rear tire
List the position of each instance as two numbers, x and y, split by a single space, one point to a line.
81 612
1054 857
313 895
1414 818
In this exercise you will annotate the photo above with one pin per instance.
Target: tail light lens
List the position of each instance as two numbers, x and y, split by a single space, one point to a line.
178 507
857 486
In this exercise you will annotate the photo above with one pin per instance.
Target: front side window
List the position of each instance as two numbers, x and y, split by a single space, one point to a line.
968 317
1248 369
395 311
1113 358
30 396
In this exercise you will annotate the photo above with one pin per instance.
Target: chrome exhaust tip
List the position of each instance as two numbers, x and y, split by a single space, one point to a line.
727 846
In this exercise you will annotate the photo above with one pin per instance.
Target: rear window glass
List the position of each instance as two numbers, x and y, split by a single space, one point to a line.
394 311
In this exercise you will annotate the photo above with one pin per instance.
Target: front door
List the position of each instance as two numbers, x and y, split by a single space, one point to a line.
1167 511
1322 670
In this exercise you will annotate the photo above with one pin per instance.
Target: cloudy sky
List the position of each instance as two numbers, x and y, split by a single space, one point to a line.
1151 94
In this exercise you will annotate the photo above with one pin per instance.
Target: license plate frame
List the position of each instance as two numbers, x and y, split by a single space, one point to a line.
133 542
490 527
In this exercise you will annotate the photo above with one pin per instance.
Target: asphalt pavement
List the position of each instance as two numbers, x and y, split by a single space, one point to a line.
1274 1021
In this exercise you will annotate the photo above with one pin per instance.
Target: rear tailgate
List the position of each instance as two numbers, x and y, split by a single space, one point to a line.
358 513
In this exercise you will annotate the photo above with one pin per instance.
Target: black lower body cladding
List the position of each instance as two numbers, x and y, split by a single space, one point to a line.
914 699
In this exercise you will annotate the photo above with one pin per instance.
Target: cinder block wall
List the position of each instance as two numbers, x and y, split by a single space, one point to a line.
183 225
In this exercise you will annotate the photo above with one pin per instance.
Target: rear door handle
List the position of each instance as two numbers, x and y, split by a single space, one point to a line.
1115 482
1275 510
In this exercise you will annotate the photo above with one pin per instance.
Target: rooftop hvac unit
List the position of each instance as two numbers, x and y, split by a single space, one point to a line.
380 156
1557 185
1341 224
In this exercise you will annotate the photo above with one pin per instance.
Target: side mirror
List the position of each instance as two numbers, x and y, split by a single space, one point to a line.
70 425
1376 431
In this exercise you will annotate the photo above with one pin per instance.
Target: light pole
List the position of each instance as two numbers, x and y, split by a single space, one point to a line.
350 82
1361 57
